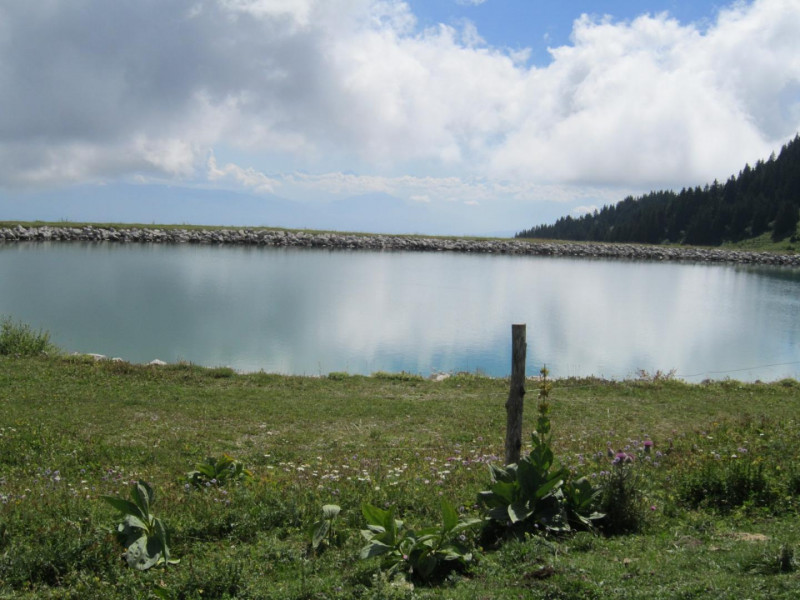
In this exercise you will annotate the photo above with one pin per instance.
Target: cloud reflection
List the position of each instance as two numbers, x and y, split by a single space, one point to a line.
313 312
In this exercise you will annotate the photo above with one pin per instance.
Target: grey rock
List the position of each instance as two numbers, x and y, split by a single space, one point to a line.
398 243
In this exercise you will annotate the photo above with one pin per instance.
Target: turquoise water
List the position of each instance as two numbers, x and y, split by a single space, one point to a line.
312 312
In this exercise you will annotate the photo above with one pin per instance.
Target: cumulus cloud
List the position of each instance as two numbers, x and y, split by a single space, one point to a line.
97 90
656 101
248 177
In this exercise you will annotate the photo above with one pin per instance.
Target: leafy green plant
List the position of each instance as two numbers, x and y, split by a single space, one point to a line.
424 555
144 537
219 472
21 340
536 493
323 530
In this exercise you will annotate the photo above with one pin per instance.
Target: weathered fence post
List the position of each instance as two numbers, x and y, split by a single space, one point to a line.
515 394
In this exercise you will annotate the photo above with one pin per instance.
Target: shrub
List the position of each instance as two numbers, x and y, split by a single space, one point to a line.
20 340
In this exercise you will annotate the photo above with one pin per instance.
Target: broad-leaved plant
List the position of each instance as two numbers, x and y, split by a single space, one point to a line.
536 493
144 537
323 530
219 472
423 555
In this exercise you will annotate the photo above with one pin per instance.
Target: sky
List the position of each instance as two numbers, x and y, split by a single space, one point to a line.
461 117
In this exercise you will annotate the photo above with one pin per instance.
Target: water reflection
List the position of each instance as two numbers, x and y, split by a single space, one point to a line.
313 312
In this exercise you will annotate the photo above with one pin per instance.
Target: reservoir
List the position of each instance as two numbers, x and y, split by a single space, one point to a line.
312 312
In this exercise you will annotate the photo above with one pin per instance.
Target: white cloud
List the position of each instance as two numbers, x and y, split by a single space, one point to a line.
432 190
246 177
98 91
653 101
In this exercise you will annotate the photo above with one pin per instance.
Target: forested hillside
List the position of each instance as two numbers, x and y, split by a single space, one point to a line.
763 198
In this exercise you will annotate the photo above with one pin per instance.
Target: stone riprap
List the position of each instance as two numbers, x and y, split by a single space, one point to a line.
343 241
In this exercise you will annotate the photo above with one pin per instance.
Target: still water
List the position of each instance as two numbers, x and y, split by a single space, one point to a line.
312 312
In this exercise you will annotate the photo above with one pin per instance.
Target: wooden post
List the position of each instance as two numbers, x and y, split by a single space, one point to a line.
515 394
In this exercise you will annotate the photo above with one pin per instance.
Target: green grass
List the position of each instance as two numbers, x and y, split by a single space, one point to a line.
73 429
764 243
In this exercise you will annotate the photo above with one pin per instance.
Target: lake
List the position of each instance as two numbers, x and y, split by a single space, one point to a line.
312 312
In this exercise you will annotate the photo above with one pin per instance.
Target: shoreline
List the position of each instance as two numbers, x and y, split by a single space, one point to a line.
385 242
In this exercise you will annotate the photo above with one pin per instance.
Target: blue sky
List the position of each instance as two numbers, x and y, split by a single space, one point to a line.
436 116
540 24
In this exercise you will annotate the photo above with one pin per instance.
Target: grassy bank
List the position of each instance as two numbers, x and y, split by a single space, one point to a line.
719 492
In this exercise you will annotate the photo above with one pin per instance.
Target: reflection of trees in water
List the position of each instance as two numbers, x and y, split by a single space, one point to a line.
781 273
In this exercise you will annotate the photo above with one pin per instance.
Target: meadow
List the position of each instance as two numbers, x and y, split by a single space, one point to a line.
706 507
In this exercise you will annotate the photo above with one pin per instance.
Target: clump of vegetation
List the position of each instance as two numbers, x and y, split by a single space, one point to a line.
727 484
621 500
19 339
538 494
142 534
425 555
772 561
219 472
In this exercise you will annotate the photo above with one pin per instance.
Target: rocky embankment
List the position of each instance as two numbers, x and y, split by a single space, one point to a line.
340 241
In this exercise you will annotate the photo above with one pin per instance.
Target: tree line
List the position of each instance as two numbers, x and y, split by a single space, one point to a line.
762 198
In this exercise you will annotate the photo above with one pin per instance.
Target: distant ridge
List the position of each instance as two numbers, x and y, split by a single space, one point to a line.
763 198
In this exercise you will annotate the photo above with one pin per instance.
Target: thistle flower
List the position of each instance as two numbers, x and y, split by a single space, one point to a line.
622 458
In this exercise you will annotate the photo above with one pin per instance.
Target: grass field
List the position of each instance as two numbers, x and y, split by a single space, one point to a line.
719 494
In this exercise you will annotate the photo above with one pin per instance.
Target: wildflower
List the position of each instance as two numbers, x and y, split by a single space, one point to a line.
648 445
622 458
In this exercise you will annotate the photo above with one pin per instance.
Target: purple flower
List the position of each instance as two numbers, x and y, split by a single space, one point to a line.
648 445
622 458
